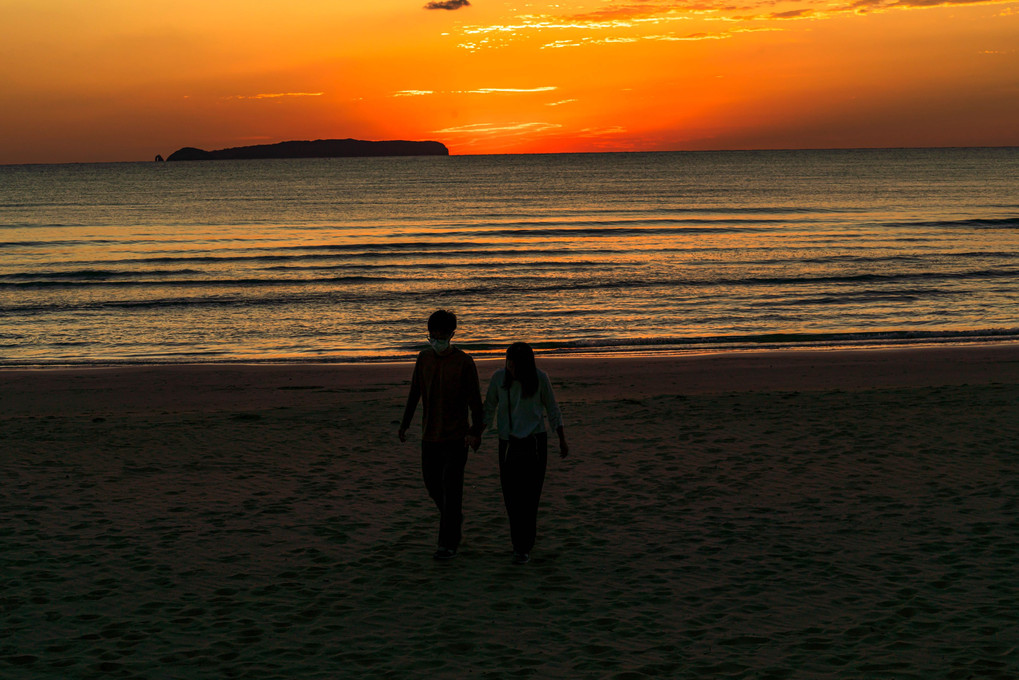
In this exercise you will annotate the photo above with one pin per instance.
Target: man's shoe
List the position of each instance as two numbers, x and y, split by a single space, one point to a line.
521 558
444 554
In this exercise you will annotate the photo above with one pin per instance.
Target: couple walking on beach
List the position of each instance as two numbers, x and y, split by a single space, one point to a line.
519 395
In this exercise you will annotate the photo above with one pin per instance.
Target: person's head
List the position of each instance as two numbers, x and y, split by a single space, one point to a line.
520 366
441 326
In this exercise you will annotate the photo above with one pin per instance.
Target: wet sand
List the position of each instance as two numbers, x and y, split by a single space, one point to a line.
842 514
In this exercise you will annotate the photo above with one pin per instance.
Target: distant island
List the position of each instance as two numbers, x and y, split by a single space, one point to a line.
319 148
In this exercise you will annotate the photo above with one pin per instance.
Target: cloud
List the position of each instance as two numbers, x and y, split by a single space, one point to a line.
865 6
616 25
692 37
943 3
602 132
650 11
480 90
617 12
277 95
548 23
632 21
494 129
792 14
448 4
508 90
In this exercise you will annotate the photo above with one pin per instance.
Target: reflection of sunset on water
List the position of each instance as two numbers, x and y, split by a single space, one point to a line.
336 259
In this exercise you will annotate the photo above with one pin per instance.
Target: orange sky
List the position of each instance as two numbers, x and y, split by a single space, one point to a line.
113 80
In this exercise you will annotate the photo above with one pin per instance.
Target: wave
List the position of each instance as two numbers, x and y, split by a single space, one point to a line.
888 337
503 216
451 250
176 353
564 219
199 283
615 231
509 284
909 258
459 265
872 277
453 257
60 243
514 285
970 223
467 258
90 274
453 237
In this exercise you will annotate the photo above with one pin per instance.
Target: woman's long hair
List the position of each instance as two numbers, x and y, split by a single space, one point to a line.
522 356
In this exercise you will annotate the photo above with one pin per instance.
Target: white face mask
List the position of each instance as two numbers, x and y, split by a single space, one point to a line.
439 346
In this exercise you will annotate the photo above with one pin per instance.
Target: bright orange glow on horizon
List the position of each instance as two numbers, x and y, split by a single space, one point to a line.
119 80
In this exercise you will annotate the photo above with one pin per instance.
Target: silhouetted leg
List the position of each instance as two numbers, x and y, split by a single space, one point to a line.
442 466
522 477
431 470
451 521
510 478
531 485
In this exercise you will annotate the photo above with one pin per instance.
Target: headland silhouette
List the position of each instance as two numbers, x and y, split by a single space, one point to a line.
319 148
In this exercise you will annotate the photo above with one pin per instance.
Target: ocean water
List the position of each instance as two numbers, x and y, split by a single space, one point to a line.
344 259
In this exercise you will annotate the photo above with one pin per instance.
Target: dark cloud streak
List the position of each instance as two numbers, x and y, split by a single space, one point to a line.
793 14
448 4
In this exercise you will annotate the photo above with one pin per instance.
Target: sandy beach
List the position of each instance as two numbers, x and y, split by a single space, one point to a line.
835 514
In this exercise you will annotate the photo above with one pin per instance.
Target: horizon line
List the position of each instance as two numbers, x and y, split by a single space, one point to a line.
573 153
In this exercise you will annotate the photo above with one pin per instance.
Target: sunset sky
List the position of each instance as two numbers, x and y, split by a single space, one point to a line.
115 80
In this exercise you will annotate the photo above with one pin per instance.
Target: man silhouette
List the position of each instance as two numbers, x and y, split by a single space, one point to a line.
445 380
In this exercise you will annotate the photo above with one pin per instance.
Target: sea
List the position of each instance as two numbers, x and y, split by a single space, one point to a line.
343 259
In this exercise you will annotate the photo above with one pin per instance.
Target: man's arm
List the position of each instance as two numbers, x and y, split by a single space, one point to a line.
477 409
412 401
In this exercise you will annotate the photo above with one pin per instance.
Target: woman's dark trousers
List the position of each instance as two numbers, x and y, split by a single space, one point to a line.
522 476
442 464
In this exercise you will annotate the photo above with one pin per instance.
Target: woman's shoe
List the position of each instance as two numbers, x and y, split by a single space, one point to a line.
444 554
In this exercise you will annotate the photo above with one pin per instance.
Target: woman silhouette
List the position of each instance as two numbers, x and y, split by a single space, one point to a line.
519 396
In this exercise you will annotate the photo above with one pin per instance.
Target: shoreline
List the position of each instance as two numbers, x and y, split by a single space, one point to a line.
485 352
706 373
